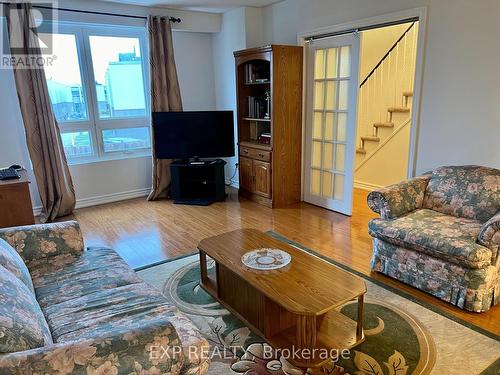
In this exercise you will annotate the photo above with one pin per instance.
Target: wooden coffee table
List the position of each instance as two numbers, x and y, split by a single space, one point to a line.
291 308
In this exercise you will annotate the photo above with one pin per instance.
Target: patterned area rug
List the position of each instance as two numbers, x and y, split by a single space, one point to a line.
402 337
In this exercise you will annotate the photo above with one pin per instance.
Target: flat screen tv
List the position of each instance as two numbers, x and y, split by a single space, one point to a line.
184 135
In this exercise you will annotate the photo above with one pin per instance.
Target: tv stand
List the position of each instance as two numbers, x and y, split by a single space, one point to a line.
198 182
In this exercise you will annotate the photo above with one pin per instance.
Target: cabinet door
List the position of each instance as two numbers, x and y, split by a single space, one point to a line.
246 174
262 172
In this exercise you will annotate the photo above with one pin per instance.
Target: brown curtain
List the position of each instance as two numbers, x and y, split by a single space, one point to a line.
42 132
165 92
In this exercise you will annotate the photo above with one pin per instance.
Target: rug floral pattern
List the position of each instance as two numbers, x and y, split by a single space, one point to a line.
396 344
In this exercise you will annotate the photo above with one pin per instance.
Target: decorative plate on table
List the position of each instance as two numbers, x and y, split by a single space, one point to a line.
266 259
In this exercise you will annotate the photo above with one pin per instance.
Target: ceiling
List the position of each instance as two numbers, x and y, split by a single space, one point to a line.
216 6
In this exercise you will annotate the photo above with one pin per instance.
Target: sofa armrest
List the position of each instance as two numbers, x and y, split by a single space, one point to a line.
45 240
153 346
396 200
489 235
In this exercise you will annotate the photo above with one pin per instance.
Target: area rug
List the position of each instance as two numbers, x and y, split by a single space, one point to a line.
402 337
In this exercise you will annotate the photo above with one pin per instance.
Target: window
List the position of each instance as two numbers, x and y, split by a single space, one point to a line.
98 92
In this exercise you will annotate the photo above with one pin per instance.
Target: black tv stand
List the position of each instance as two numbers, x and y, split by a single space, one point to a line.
198 183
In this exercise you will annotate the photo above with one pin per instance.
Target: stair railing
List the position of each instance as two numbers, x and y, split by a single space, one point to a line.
384 86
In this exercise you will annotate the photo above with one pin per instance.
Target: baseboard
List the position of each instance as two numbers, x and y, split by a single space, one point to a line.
110 198
103 199
366 186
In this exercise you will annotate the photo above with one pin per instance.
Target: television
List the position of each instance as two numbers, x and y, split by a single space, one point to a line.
197 134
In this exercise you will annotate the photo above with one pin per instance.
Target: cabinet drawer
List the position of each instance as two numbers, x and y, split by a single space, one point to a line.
254 153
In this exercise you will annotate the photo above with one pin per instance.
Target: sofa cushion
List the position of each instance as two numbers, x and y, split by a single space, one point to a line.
441 236
61 278
101 312
12 262
22 324
34 242
470 192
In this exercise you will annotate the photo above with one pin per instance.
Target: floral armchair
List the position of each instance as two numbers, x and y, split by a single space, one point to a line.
66 310
441 233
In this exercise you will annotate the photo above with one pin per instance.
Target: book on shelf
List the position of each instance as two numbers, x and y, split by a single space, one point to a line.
257 107
255 74
248 73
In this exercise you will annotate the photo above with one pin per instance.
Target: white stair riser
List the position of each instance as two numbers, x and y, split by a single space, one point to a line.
398 118
383 133
370 146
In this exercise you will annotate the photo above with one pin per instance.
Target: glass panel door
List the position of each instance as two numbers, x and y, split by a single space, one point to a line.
332 85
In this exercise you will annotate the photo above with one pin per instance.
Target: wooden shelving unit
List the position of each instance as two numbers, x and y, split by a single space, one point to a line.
269 99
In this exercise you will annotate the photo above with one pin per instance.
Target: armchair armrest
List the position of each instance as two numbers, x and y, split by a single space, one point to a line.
153 345
489 235
396 200
45 240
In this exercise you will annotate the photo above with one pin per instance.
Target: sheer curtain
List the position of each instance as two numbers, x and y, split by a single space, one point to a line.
165 92
42 132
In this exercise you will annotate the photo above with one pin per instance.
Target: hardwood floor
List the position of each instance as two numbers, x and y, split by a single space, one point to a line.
147 232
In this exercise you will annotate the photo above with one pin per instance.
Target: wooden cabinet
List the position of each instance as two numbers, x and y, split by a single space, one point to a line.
269 99
262 178
15 202
255 177
246 174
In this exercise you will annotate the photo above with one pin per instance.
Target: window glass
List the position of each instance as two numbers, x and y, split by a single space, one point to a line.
126 139
86 63
118 73
64 80
77 144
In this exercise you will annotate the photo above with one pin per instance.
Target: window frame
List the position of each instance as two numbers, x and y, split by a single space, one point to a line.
94 124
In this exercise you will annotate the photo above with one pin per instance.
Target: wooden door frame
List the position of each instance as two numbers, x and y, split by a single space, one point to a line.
421 14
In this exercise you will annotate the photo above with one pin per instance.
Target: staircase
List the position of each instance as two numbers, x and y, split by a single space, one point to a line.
385 97
379 127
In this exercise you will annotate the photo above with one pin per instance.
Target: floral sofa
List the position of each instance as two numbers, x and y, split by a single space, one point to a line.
64 310
441 233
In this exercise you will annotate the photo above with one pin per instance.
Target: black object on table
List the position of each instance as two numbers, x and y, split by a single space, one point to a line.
9 174
198 183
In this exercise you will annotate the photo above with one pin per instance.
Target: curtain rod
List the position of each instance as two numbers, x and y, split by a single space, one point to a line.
364 28
171 19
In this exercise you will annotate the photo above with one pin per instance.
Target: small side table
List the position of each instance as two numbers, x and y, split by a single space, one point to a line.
15 202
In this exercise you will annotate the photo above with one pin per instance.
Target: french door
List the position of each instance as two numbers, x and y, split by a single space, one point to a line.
331 101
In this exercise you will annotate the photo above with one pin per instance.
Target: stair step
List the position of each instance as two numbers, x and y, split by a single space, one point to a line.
360 151
370 138
408 93
398 109
383 125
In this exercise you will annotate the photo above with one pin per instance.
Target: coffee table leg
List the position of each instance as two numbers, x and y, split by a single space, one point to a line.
203 266
306 331
359 327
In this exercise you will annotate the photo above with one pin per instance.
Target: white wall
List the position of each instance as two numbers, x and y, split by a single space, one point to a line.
119 179
195 69
241 28
460 112
229 39
191 21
